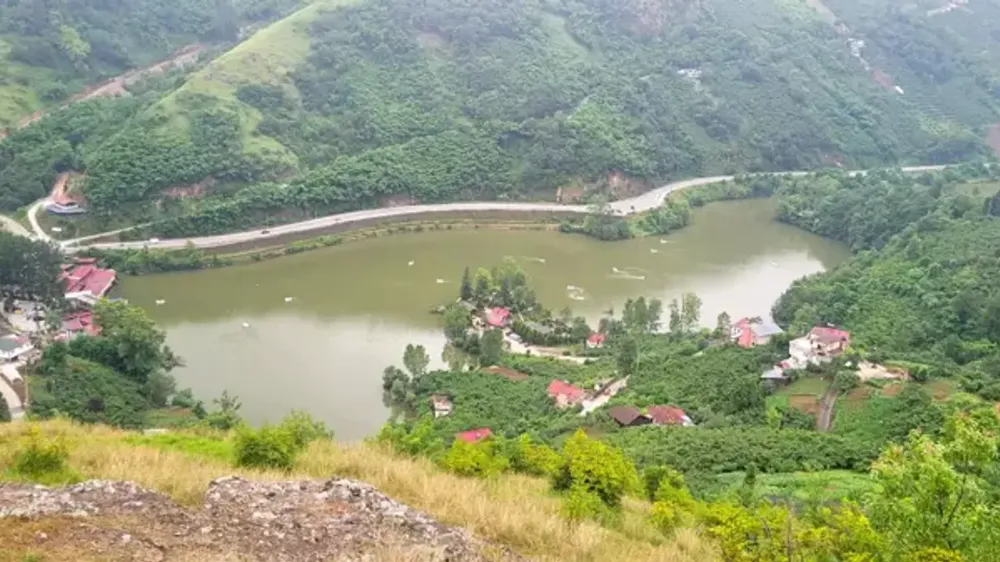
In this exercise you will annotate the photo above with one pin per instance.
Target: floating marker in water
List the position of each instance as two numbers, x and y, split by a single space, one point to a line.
289 299
654 251
246 324
160 302
410 263
441 281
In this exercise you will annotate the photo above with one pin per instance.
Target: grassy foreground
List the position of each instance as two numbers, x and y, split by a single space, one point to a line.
513 510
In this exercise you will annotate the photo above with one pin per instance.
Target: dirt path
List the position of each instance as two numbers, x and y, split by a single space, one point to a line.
8 224
116 86
826 406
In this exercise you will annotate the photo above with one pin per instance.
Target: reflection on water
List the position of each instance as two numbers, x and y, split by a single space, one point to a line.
315 330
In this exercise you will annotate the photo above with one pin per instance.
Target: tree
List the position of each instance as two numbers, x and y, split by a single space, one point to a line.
597 468
690 311
4 410
456 323
483 289
29 268
465 293
933 494
676 324
628 356
723 325
415 359
491 348
135 346
580 329
227 415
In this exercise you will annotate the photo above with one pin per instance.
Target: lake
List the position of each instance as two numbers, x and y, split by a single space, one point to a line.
314 331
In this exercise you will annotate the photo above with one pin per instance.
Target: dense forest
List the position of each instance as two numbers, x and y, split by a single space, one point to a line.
50 49
453 99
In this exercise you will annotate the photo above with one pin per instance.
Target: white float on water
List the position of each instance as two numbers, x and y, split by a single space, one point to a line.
246 324
289 299
440 281
160 302
410 263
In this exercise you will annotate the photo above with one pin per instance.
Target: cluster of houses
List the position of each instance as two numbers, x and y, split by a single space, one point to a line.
819 346
84 283
565 395
501 318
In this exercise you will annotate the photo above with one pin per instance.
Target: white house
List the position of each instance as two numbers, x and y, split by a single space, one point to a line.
442 406
12 347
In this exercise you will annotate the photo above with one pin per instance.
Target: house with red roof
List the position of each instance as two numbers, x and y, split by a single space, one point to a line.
497 317
474 435
820 345
750 332
596 340
78 323
668 415
565 394
85 278
628 416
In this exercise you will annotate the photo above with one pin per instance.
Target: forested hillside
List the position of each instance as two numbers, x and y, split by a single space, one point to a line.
346 103
50 49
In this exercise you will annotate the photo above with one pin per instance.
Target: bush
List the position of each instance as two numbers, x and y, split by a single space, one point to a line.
43 461
474 459
846 381
536 459
303 429
597 468
268 447
581 504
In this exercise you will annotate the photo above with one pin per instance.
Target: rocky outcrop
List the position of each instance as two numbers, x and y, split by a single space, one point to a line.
335 519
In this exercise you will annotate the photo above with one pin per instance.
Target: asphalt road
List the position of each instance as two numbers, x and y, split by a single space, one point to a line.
645 202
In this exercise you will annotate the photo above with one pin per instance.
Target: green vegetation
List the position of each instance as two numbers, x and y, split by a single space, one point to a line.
28 269
343 104
49 51
922 288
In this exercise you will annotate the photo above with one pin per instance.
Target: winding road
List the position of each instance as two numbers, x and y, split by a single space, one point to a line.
638 204
641 203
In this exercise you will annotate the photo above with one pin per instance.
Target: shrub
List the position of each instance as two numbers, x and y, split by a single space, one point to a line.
536 459
43 461
303 429
596 467
581 503
418 440
846 381
474 459
267 447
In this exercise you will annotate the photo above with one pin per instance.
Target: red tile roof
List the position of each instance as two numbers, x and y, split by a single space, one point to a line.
572 394
828 335
497 317
596 339
666 415
86 277
81 323
474 435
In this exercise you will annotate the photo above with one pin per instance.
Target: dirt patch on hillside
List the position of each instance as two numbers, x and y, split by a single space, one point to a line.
241 520
806 403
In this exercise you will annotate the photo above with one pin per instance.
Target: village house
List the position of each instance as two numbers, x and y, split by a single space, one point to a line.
751 332
86 281
565 394
497 317
820 345
12 347
628 416
668 415
474 435
78 323
596 341
442 405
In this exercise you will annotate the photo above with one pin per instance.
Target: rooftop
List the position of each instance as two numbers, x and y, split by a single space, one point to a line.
624 415
562 388
11 342
667 415
828 335
474 435
497 317
85 277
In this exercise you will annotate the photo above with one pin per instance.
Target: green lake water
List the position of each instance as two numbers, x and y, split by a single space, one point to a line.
354 307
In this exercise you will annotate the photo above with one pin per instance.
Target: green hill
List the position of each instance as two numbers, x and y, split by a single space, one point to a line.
51 49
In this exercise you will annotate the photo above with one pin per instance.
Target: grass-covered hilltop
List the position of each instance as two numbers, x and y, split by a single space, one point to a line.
348 104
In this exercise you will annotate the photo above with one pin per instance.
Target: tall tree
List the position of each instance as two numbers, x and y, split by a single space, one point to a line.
415 359
723 325
491 348
130 342
456 323
29 268
690 311
4 410
676 324
465 292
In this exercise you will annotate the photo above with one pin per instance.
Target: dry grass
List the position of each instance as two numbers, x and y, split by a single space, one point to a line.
513 510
